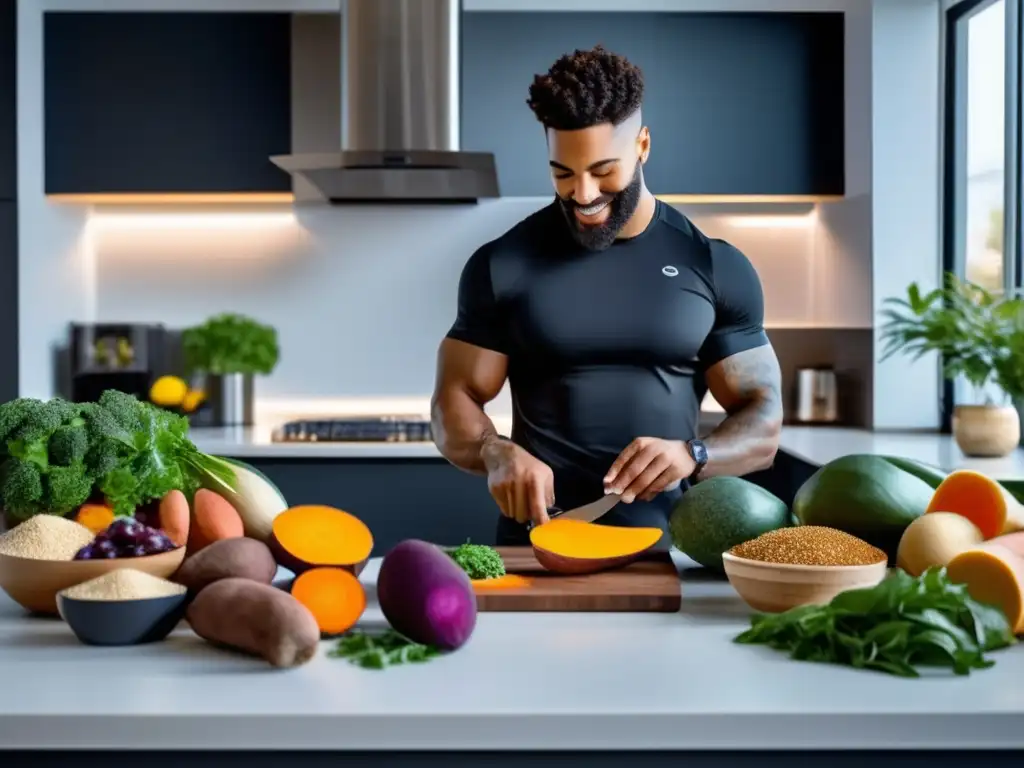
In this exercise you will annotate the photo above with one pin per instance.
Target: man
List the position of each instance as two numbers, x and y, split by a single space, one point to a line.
611 315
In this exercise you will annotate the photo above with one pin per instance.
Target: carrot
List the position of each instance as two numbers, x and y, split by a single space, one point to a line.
313 536
334 596
95 517
175 517
508 581
213 519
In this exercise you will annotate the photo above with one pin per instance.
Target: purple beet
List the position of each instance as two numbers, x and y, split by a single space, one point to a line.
425 596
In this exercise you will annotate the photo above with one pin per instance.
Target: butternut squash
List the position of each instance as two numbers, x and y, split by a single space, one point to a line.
575 547
981 500
1012 541
935 539
994 574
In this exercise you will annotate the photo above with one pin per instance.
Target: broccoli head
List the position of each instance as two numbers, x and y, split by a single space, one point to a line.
21 485
126 410
66 488
68 445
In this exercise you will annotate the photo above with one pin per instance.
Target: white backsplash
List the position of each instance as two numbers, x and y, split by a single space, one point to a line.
362 295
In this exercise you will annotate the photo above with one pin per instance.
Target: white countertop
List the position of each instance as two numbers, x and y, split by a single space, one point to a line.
524 681
816 445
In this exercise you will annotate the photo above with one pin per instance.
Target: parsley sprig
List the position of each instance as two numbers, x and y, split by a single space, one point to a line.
385 649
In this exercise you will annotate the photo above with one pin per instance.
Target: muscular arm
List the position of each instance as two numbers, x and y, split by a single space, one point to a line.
748 386
468 377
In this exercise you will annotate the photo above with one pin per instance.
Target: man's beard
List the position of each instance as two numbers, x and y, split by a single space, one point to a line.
597 237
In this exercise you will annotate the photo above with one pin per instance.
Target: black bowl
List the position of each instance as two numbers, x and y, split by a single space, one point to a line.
122 622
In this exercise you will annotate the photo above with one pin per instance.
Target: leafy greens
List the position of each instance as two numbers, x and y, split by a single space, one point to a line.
897 627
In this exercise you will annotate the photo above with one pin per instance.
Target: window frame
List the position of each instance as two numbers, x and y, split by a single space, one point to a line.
954 154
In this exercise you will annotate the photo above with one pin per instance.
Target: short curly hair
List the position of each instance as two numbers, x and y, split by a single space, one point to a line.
587 88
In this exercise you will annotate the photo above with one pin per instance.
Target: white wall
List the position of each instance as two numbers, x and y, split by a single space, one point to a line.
361 296
905 129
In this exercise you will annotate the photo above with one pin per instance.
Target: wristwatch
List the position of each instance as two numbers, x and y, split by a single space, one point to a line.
700 455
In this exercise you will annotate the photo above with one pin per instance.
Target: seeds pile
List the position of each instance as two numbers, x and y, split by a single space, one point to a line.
809 545
123 584
45 537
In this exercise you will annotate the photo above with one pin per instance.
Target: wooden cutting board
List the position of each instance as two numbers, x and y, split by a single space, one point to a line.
650 585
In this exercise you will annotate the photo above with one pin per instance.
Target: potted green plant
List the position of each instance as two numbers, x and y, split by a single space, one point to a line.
230 350
974 331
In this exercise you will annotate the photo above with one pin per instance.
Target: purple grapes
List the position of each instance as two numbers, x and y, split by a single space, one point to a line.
125 537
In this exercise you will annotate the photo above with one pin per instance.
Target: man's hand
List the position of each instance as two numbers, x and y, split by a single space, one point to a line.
648 466
523 486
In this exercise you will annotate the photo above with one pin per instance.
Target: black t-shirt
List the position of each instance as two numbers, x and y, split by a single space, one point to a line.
607 346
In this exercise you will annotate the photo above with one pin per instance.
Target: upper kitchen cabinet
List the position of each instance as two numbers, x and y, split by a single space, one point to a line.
740 105
167 104
8 101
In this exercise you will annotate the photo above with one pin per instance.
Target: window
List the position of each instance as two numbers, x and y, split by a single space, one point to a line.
981 168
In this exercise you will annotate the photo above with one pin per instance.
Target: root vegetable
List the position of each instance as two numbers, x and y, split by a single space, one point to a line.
213 519
334 596
425 596
314 536
174 517
994 574
575 547
256 619
935 539
255 496
981 500
508 581
239 557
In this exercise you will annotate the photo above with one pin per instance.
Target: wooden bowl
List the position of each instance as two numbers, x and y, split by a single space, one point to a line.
777 587
34 584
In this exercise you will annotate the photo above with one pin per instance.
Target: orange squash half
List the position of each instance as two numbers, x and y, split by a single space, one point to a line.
574 547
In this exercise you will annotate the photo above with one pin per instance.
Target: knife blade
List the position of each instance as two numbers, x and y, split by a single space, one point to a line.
588 513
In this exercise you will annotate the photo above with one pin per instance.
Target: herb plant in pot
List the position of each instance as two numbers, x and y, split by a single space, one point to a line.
230 350
971 329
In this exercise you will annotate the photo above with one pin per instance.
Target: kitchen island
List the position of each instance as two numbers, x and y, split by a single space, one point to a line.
523 682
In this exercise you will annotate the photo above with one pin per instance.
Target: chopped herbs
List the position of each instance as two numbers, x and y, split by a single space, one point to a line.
478 560
377 651
899 626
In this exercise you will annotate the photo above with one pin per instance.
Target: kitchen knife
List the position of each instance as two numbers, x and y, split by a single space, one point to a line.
588 513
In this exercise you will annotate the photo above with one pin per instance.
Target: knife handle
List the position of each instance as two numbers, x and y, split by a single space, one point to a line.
553 512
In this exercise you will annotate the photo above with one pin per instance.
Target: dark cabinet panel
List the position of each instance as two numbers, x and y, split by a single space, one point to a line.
398 498
428 498
166 102
8 300
737 103
8 101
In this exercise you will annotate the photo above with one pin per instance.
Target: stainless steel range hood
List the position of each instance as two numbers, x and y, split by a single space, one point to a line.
400 116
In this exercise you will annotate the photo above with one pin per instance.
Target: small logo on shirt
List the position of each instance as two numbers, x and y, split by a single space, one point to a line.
669 271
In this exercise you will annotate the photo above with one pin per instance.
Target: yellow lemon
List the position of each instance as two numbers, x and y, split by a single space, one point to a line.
168 391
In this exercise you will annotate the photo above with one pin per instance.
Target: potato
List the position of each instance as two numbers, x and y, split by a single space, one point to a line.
228 558
256 619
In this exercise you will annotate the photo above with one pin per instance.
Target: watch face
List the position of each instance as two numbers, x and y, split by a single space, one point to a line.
700 453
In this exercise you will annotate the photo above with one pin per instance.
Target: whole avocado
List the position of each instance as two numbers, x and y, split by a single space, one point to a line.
717 514
871 497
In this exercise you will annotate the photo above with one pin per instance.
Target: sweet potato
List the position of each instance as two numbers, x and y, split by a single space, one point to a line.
213 519
256 619
317 536
241 558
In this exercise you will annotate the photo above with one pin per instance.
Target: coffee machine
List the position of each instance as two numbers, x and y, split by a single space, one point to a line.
122 356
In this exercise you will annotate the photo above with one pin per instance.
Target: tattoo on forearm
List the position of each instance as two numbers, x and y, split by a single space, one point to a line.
746 441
